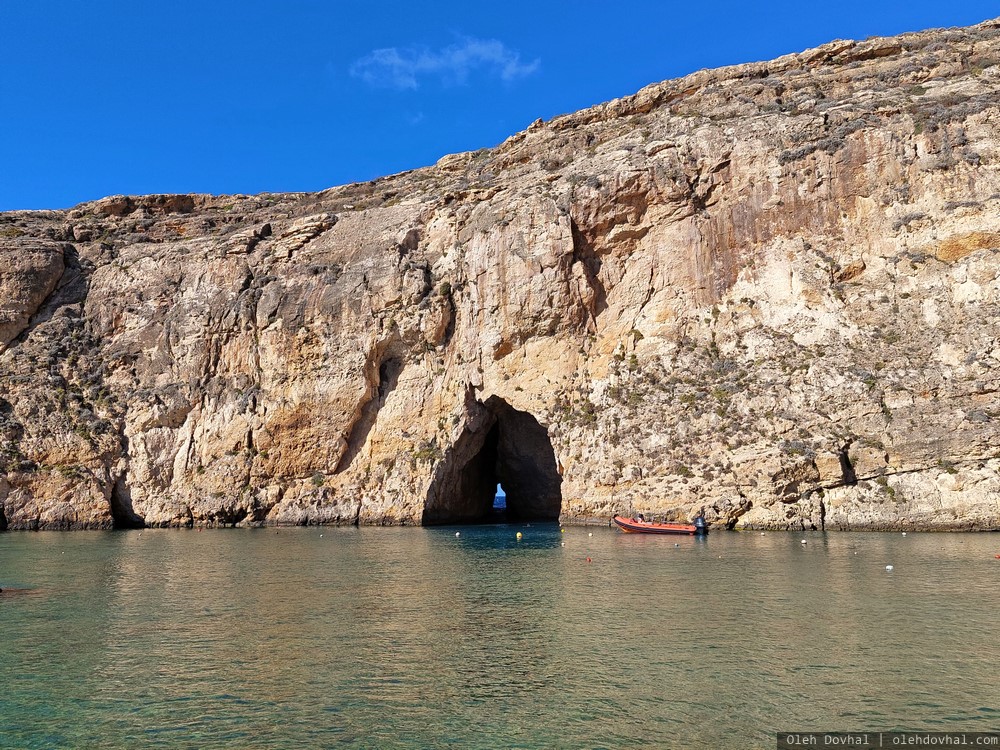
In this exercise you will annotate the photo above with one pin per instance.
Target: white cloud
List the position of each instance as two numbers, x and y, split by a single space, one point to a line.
405 68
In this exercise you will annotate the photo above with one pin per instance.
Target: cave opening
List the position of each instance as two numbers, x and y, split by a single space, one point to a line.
500 501
123 515
502 468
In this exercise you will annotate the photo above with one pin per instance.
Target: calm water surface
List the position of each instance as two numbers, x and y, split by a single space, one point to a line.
418 638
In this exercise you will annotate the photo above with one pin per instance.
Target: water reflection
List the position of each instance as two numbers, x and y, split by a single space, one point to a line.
421 638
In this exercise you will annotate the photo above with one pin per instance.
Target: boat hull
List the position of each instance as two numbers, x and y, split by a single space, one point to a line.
632 526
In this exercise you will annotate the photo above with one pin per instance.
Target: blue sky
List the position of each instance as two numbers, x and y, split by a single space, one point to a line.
217 96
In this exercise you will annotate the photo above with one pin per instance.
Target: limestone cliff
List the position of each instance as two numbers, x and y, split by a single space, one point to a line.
770 290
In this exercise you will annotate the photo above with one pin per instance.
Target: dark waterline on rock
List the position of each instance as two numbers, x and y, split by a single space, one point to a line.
465 636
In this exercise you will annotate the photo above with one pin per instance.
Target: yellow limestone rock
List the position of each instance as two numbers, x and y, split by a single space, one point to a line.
770 291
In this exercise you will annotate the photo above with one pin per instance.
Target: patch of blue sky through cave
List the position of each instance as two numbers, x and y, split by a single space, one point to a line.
500 499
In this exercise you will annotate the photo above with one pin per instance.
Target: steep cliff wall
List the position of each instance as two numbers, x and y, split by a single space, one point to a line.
770 290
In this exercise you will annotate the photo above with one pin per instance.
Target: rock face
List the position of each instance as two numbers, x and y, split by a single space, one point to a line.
29 273
770 290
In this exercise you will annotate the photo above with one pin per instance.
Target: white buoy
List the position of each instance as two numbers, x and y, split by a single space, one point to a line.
762 533
519 535
562 544
904 533
676 544
591 533
320 536
804 541
888 567
458 533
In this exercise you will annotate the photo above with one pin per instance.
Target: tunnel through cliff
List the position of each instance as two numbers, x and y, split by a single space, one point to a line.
507 447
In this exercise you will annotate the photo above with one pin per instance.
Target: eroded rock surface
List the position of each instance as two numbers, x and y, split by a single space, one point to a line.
770 290
29 273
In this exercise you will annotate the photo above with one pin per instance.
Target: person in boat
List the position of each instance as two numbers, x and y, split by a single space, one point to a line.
640 518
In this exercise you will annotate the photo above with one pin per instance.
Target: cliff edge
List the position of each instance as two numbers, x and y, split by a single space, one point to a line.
770 290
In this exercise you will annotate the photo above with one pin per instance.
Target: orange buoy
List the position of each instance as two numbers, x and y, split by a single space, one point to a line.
588 559
997 557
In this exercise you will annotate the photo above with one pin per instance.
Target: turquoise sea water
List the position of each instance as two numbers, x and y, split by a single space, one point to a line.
418 638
